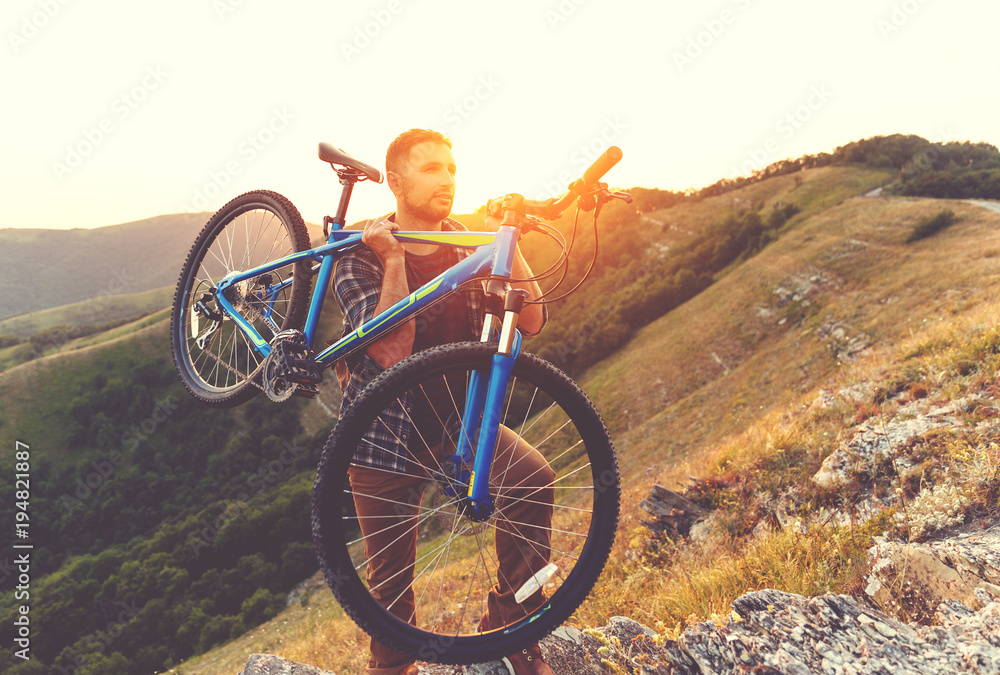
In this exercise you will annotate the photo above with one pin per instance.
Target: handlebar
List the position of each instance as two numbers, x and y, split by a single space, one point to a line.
549 209
602 165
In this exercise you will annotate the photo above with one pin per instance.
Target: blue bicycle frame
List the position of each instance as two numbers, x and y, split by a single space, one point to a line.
494 254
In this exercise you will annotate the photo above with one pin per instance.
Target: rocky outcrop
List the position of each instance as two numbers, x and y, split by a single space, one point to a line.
269 664
874 441
950 586
768 632
916 579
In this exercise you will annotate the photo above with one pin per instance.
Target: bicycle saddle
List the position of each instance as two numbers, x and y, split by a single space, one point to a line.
333 155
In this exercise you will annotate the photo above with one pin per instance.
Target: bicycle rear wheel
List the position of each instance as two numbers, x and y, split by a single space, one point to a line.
215 360
459 565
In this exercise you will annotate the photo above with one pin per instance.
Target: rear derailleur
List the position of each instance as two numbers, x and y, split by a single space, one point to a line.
290 368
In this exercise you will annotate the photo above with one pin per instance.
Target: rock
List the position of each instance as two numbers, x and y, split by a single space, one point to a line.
673 513
874 441
920 577
269 664
488 668
837 337
824 399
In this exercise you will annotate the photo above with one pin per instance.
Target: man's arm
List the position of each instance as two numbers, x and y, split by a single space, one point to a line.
532 317
397 344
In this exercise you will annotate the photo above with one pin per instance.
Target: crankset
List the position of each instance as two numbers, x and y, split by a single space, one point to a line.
291 368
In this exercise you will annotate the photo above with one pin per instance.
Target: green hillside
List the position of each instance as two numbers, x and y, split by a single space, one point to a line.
50 268
198 518
97 310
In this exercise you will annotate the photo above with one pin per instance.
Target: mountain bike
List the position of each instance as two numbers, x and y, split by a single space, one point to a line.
244 320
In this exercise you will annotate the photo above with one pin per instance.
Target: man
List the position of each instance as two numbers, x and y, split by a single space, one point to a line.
420 170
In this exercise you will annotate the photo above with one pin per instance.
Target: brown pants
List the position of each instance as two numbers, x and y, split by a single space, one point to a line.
387 505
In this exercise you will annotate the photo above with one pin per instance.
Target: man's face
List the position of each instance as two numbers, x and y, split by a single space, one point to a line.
427 185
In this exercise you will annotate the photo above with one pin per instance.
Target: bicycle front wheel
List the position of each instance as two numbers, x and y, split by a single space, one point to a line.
403 555
215 360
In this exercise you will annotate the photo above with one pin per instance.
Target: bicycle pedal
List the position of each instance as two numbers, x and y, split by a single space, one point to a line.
305 391
298 362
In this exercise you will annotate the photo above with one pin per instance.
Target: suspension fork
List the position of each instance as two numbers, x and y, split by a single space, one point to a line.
484 403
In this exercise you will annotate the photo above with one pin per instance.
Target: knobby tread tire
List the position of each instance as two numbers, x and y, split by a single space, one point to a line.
298 302
328 533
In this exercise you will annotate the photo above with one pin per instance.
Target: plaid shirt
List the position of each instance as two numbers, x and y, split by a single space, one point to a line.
357 284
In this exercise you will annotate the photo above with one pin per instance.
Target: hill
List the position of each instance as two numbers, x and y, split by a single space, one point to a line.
59 267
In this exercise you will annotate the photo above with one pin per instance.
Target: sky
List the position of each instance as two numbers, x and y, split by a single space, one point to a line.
117 110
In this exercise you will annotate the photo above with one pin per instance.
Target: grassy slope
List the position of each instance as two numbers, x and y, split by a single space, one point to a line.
689 409
877 286
97 310
52 378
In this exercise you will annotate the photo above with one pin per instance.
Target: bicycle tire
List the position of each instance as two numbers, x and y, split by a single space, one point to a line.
335 530
252 229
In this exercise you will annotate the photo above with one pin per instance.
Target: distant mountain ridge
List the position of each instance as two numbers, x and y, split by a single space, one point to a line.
49 268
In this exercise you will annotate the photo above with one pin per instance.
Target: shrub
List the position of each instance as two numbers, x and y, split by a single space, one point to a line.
929 226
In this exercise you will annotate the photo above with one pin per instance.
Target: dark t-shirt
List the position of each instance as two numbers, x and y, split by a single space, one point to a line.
444 323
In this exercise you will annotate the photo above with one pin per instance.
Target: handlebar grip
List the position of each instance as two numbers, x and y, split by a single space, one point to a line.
602 165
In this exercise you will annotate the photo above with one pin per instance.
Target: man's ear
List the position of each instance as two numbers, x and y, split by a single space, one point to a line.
394 181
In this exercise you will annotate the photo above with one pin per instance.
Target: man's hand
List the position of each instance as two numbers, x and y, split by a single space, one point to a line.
378 237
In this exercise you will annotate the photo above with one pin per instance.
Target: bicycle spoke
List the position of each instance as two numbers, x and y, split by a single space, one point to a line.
416 428
517 533
437 561
444 576
472 581
384 581
396 454
424 517
556 459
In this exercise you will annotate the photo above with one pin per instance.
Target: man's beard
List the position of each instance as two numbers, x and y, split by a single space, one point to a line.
426 211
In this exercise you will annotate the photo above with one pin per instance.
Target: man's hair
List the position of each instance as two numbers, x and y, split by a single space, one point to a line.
399 150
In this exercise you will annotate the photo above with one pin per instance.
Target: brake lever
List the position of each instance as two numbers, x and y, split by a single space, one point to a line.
600 196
